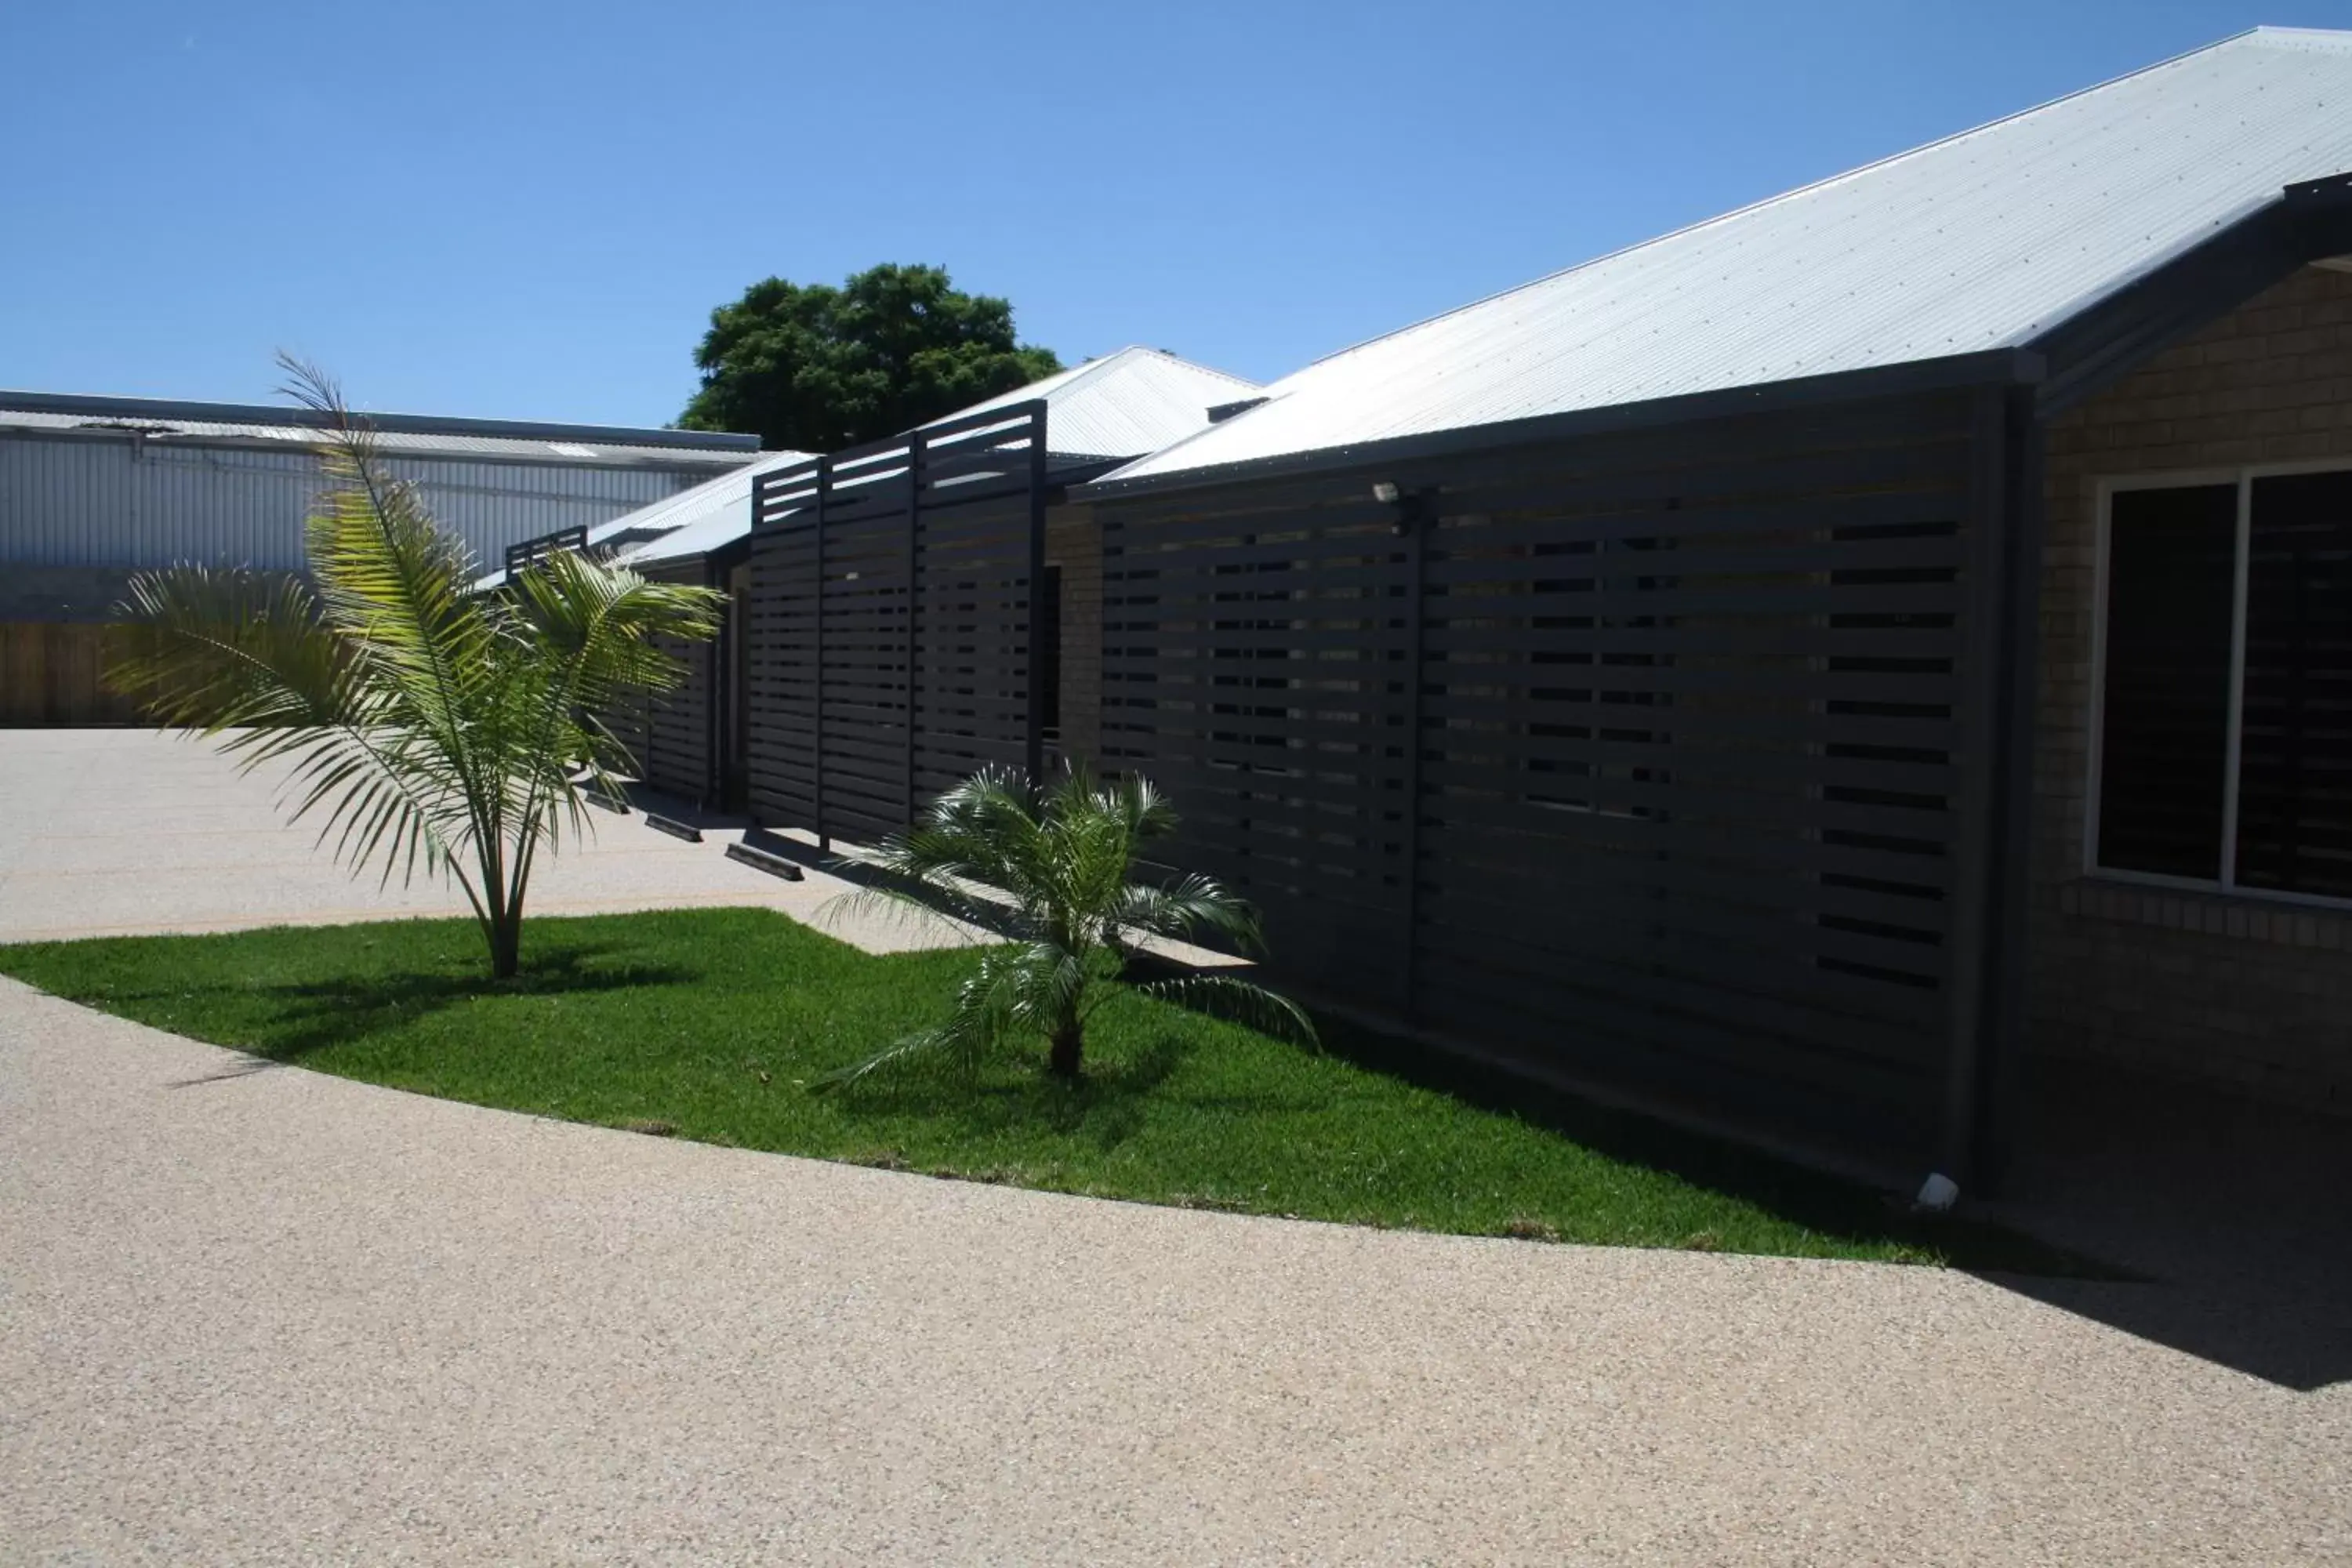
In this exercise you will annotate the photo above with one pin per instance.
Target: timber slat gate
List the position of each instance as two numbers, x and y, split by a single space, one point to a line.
893 651
1657 758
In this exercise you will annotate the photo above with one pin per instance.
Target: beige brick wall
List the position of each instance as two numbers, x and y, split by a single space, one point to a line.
2242 990
1074 543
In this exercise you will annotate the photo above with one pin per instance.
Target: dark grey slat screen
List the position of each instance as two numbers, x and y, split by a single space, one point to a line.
891 623
1636 756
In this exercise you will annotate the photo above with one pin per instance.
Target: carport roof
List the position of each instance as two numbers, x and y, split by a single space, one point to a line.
1984 241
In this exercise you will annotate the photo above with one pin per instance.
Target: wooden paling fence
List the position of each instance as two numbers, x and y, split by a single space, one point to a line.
50 675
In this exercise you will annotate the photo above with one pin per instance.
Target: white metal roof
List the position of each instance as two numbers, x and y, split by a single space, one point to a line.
1135 400
699 519
725 499
1984 240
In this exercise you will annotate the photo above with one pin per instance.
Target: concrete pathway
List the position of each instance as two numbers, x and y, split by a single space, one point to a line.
261 1315
113 832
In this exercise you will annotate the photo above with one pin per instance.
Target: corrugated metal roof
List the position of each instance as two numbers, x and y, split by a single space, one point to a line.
1135 400
695 521
229 424
90 503
1984 240
713 512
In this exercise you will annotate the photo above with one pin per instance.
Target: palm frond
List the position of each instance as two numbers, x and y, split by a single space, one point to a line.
1191 906
211 650
426 727
1063 860
953 913
984 1001
1230 997
591 635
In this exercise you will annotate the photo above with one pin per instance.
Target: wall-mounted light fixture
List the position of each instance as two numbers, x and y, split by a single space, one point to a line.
1385 492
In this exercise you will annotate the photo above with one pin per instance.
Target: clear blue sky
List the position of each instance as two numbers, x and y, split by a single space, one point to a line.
529 212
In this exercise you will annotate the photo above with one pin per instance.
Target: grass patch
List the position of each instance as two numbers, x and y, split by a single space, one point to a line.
707 1025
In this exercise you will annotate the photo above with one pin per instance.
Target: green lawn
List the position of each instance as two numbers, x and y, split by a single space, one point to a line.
710 1022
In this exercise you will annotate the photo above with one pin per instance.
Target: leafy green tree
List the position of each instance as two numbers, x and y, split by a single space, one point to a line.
814 368
1063 859
430 726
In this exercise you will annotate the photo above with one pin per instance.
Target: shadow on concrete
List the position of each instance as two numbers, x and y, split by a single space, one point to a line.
642 800
2237 1215
994 919
244 1066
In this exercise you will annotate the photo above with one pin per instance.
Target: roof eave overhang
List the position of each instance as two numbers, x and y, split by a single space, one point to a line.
2097 347
2004 367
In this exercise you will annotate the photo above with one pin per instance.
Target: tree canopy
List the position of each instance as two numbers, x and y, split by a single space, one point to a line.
816 368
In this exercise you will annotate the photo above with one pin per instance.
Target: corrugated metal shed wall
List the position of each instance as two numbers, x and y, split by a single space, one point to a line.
85 502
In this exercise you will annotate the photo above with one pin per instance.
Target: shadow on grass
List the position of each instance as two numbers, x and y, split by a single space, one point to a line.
321 1015
1106 1108
1827 1205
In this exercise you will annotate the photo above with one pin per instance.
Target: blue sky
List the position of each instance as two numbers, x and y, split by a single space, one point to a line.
529 212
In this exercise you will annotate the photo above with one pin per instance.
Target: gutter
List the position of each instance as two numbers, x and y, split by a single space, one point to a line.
388 424
673 459
1989 367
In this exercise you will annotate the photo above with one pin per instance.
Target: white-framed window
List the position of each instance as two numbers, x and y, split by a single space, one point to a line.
2222 708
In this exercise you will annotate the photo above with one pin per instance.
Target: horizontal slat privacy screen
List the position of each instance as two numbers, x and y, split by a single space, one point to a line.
892 643
680 755
1637 756
530 551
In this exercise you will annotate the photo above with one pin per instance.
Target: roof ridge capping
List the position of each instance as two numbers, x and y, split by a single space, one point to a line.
2322 40
1087 369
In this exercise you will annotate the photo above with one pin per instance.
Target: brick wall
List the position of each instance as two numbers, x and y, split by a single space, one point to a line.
2252 992
1074 543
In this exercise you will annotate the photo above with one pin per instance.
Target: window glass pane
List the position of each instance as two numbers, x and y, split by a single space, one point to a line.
2163 750
2294 770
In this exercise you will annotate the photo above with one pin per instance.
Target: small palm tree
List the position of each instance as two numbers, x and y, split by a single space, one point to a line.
1061 859
431 726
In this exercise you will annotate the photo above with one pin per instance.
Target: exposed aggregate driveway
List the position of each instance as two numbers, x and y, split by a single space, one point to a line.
252 1314
262 1315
